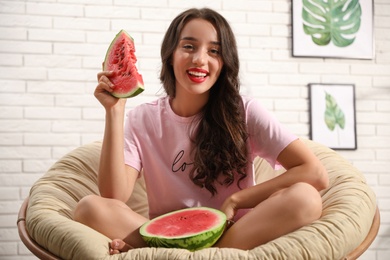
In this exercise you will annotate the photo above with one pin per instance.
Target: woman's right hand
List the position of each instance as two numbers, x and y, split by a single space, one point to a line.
103 91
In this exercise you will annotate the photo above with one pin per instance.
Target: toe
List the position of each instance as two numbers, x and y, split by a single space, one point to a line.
117 246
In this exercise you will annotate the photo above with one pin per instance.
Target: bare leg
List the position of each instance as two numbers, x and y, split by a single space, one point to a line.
283 212
112 218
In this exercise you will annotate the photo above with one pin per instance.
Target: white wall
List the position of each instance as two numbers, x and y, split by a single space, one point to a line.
51 50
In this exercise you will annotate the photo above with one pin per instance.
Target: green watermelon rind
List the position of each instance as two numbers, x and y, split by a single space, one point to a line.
140 88
134 93
193 242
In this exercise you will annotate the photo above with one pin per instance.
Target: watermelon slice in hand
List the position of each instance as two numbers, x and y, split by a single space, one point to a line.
192 229
121 59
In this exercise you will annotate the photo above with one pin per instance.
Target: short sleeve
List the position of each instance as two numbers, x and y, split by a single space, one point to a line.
267 137
131 150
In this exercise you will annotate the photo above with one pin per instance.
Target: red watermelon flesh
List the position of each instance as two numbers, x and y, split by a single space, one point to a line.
183 223
121 59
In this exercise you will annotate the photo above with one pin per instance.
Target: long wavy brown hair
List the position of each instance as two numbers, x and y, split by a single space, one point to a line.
220 138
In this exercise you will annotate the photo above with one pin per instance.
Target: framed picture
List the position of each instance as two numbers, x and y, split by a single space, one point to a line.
338 29
333 116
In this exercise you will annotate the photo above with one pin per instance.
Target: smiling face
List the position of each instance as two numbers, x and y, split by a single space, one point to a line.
196 60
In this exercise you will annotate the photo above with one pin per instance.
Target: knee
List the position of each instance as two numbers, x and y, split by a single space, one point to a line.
305 202
86 208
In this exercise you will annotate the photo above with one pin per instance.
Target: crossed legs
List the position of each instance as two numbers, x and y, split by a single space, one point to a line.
112 218
283 212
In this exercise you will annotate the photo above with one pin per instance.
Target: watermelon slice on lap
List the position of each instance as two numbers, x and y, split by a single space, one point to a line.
121 59
192 229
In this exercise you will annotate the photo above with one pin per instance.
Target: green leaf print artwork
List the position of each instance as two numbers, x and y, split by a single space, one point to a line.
333 114
335 21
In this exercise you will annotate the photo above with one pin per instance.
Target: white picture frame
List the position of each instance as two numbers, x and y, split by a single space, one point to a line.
303 45
332 115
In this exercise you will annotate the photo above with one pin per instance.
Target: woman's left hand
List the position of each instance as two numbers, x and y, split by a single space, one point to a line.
229 207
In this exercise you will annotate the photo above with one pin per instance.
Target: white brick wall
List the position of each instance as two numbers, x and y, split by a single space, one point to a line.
51 50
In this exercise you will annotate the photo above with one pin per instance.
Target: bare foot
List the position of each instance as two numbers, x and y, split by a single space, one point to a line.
118 246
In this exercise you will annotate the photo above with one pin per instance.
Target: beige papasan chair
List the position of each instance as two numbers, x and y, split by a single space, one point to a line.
349 223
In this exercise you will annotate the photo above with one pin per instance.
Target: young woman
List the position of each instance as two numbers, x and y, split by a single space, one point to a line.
196 147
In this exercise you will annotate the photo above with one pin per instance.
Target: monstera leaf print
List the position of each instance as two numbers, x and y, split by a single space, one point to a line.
333 114
331 20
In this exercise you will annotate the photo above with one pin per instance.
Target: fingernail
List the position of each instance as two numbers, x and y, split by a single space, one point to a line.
116 244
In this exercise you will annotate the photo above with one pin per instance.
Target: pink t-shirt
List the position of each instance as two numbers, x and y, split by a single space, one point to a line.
157 141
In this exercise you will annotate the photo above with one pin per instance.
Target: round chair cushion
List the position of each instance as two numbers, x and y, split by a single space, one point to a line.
349 206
